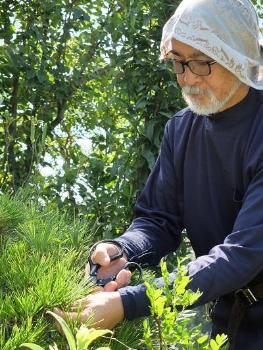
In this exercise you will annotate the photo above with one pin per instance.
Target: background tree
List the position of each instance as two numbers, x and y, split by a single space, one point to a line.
73 70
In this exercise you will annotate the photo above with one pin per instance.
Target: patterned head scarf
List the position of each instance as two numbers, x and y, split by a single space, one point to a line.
225 30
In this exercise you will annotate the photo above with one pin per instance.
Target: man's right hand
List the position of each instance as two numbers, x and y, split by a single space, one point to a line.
101 256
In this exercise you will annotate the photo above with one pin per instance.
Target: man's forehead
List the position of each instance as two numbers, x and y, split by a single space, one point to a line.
195 54
183 50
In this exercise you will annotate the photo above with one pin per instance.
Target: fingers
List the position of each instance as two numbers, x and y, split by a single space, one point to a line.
111 286
102 253
108 268
122 279
97 289
80 316
103 310
83 302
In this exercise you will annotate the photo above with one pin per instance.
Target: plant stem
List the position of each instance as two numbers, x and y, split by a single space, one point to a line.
159 325
118 341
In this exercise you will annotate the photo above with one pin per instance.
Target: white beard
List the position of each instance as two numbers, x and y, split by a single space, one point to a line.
215 104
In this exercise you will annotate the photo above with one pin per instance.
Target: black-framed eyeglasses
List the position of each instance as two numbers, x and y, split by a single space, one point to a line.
198 67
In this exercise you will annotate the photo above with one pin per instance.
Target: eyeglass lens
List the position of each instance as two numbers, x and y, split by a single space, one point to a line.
196 67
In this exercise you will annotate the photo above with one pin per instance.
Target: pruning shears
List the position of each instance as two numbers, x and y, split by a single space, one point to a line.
95 267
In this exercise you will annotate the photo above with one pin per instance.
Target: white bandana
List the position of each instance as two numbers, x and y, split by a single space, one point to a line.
225 30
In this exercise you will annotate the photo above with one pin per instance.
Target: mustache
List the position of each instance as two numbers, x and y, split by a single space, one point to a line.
194 90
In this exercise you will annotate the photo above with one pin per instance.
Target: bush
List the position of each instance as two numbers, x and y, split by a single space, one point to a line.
41 266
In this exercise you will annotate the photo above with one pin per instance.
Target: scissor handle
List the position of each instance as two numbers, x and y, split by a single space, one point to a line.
94 267
129 265
134 266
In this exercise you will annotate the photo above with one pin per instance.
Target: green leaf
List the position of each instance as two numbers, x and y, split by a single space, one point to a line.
31 346
221 340
150 129
86 336
81 15
166 114
66 330
40 76
149 156
213 345
141 103
203 339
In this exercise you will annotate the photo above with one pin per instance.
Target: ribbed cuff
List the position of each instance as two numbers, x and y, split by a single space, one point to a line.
135 301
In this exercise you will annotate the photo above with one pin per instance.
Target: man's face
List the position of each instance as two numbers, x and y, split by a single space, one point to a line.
206 94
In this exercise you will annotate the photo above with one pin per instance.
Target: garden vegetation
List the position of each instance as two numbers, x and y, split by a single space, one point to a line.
83 103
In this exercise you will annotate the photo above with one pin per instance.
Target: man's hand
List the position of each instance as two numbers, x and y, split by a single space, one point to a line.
105 309
108 268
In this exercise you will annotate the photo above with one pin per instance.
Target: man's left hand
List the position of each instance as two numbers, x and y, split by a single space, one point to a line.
105 309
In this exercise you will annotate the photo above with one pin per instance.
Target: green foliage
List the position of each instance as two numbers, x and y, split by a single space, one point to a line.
49 53
42 257
11 214
259 7
25 330
84 336
75 70
37 271
140 97
171 317
127 336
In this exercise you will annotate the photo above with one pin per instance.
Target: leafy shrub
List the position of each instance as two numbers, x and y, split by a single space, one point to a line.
170 325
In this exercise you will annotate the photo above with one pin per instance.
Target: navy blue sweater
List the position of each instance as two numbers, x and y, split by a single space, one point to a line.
208 179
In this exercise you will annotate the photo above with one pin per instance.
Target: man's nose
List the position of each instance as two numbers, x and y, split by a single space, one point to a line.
189 78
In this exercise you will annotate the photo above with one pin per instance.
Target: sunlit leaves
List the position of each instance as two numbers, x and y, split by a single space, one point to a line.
171 327
84 336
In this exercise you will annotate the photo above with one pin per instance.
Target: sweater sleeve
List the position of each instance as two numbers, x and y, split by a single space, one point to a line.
234 263
228 266
156 228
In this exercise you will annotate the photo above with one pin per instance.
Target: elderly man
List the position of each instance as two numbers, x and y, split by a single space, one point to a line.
208 178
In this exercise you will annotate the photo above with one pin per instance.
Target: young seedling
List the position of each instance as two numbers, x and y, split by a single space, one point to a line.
83 339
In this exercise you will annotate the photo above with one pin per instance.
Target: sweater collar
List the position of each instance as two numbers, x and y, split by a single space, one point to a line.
245 109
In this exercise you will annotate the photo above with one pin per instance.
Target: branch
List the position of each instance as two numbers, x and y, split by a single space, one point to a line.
74 84
12 132
61 107
64 37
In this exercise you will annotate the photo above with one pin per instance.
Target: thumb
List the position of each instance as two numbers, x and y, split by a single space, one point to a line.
101 255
